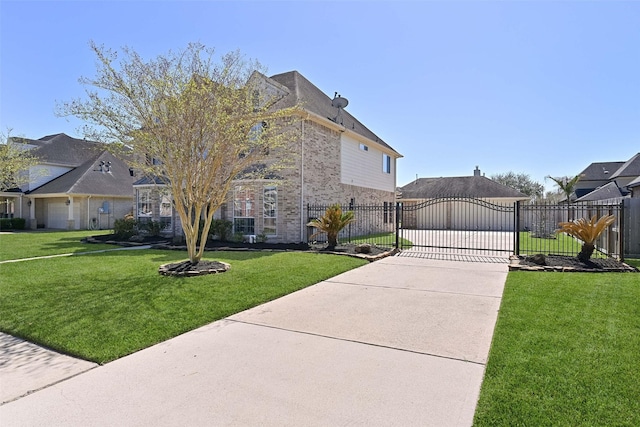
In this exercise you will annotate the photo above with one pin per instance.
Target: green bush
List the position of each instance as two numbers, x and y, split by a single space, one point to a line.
124 228
221 228
12 223
154 228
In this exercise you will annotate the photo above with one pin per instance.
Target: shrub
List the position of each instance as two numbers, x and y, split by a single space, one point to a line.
124 228
221 228
588 231
12 223
154 228
331 223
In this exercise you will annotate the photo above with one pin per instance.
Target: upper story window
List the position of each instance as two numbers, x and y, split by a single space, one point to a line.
364 147
386 163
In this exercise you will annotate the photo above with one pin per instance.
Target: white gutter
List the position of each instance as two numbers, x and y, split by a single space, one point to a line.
89 212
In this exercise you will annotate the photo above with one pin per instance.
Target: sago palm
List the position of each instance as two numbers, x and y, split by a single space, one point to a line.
588 231
331 223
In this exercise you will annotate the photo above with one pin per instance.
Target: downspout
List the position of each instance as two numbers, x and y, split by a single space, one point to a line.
89 212
302 211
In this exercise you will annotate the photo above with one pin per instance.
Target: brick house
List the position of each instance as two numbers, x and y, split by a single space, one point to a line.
336 160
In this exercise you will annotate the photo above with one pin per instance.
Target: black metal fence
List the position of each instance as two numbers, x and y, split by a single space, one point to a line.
538 224
460 225
374 223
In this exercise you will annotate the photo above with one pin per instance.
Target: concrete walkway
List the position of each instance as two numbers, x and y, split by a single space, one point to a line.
401 341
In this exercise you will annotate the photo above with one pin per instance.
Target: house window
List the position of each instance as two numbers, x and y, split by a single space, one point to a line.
244 210
388 213
145 205
364 147
386 163
270 212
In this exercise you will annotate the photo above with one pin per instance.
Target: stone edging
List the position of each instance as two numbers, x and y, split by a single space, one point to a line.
163 269
514 265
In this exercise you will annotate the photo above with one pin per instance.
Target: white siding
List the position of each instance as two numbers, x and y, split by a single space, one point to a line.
41 174
364 168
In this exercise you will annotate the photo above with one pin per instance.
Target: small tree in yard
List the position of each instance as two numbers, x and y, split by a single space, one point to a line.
331 223
192 123
14 160
588 231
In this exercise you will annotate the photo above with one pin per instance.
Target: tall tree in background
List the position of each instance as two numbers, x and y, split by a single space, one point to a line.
14 159
194 123
521 182
567 185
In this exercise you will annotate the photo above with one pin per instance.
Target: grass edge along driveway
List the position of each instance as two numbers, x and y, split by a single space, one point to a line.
565 352
100 307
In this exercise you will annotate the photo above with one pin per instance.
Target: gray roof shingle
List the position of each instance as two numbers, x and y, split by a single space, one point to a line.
608 191
465 186
600 171
631 168
312 99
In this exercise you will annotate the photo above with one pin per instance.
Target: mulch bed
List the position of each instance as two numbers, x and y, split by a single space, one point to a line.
570 264
187 268
348 249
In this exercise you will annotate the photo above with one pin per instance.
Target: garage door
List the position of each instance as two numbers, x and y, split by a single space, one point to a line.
58 214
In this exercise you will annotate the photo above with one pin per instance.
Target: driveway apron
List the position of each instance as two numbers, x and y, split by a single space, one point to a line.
401 341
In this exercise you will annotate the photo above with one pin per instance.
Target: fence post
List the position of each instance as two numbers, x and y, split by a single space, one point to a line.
516 228
398 210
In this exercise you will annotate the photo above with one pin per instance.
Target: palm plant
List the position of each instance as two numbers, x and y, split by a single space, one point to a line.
588 231
331 223
568 185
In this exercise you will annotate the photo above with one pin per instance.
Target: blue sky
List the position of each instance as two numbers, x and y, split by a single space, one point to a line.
539 87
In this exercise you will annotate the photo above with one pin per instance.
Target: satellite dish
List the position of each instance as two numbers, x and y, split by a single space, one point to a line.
339 102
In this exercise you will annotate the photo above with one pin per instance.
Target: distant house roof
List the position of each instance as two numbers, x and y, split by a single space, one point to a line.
634 183
93 178
61 149
630 168
600 171
150 180
608 191
312 99
466 186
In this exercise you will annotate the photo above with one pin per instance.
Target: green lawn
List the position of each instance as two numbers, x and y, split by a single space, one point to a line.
27 244
565 352
633 262
103 306
561 245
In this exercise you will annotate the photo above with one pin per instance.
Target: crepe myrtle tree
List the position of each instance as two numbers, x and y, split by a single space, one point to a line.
15 161
194 121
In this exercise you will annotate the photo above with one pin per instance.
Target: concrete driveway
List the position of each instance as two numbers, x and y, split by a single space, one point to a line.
401 341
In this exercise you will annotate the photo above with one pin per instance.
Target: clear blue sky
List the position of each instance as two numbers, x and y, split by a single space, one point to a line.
539 87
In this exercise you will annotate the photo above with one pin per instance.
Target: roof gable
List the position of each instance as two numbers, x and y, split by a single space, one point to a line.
312 99
61 149
607 191
631 168
91 178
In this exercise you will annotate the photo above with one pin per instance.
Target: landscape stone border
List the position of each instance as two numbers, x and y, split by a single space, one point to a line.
514 265
218 267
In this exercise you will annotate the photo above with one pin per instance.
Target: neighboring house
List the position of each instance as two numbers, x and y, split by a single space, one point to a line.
336 160
77 184
452 214
608 180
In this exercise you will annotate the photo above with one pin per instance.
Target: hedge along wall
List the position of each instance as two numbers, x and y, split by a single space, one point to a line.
12 223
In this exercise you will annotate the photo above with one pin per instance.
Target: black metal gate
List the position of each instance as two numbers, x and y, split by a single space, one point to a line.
457 225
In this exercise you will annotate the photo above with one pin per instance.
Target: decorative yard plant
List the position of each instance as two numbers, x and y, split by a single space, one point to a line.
331 223
588 231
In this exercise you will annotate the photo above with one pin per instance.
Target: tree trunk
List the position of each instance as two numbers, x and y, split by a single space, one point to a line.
332 240
586 252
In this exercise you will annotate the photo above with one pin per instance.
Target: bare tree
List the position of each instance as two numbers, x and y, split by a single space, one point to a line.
15 160
194 123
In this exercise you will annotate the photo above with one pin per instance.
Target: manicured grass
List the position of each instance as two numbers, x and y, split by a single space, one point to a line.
103 306
27 244
633 262
565 352
561 245
382 239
